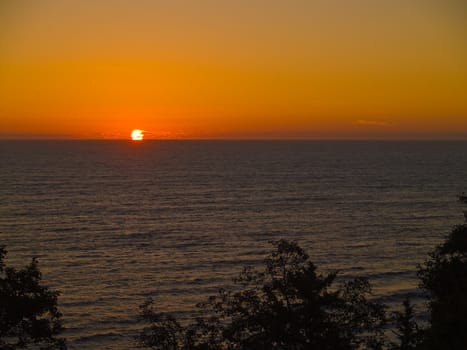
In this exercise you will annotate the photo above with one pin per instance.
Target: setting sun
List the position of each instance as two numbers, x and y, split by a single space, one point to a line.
137 135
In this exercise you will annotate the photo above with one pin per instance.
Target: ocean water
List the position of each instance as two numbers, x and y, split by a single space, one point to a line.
113 222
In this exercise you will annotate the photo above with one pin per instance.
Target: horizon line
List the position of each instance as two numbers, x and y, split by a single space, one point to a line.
230 139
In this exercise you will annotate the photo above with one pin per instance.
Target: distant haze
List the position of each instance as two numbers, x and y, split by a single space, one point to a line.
364 69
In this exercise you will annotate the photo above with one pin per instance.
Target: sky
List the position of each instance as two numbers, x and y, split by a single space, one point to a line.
225 69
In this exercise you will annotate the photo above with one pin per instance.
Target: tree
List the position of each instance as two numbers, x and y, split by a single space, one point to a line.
286 305
28 310
444 278
406 330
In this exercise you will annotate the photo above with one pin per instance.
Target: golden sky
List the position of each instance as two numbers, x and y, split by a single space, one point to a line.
233 68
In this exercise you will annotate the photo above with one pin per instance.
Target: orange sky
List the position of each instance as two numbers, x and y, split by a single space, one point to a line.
233 69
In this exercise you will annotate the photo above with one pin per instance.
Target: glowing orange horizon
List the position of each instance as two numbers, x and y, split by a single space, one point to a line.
234 70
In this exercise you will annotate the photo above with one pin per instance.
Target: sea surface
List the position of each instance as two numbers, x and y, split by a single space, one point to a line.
115 222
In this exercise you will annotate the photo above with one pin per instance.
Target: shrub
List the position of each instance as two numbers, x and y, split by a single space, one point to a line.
286 305
28 310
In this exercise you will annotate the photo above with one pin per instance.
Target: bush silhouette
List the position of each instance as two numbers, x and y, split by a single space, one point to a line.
286 305
407 330
444 278
28 310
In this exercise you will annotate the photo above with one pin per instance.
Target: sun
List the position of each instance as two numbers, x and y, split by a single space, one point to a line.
137 135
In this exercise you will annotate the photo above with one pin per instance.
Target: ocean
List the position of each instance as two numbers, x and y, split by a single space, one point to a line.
115 222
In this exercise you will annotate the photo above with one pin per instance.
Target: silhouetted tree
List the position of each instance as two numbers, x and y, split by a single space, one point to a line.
287 305
406 330
28 310
444 277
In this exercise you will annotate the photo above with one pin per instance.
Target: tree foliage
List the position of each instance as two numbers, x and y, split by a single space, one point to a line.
28 310
444 278
289 305
407 330
286 305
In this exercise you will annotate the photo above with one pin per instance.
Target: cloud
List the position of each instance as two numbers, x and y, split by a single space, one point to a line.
378 123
